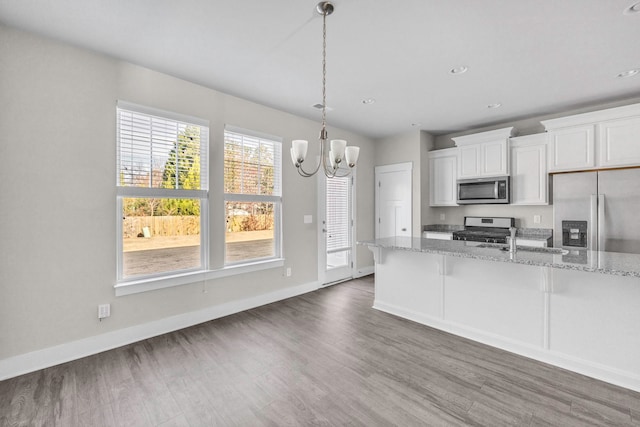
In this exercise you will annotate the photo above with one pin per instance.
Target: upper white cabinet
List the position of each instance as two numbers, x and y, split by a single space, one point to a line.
600 139
442 177
529 176
619 142
572 149
484 154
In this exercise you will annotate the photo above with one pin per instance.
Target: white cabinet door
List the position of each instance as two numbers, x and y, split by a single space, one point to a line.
442 177
529 178
619 142
469 161
493 158
484 154
572 149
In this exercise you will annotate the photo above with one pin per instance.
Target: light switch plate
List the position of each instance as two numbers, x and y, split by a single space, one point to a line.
442 217
308 219
536 219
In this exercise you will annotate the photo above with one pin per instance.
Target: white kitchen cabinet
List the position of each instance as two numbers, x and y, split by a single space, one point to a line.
442 177
529 242
599 139
438 235
572 149
484 154
469 161
619 142
529 175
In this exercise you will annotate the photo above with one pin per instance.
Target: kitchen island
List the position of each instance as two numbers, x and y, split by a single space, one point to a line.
579 310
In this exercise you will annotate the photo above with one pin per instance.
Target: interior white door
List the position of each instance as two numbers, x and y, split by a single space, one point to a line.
393 200
336 234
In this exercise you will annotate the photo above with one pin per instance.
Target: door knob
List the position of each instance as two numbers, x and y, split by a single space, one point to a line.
404 229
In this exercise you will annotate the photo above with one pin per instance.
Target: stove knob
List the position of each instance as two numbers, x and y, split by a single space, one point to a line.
487 240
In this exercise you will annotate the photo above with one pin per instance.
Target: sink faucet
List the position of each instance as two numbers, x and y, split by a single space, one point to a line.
512 240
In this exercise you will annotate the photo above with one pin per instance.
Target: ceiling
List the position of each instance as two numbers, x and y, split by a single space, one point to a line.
534 57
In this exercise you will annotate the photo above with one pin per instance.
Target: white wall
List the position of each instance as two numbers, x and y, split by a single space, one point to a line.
58 196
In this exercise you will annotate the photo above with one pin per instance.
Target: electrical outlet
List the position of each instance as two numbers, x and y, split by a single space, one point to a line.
536 219
442 217
288 271
104 310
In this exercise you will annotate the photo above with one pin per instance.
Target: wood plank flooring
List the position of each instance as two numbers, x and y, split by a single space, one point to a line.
324 358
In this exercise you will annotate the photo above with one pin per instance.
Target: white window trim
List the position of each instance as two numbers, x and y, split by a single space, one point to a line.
169 278
277 200
167 281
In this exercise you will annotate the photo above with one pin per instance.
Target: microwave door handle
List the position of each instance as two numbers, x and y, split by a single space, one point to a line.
495 190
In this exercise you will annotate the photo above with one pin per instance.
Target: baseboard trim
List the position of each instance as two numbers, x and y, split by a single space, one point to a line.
594 370
364 271
45 358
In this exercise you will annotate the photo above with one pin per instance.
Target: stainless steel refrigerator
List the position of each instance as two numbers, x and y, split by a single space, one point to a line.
597 210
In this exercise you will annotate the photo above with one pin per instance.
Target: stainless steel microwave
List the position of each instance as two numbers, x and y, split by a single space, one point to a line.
479 191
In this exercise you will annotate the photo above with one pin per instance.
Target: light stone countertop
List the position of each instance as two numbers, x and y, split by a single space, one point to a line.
579 260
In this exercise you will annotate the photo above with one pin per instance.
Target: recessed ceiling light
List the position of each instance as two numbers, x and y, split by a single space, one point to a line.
494 105
634 8
368 101
459 70
629 73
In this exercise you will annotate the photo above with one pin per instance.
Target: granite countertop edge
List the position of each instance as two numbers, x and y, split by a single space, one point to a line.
460 250
523 233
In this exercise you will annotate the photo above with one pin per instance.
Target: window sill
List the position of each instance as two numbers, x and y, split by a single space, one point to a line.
151 284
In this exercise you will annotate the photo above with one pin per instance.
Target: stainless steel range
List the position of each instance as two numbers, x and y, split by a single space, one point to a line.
485 229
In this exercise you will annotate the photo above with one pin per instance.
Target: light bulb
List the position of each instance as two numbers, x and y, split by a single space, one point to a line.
338 147
299 147
351 155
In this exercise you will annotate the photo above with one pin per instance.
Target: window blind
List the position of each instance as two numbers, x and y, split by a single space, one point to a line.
252 165
338 214
158 152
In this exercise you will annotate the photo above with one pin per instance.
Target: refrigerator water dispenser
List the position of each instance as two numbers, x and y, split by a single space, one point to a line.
574 234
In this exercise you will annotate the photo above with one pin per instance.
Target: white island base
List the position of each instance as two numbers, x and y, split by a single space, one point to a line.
582 321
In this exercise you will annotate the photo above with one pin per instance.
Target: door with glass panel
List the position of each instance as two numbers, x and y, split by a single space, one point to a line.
336 229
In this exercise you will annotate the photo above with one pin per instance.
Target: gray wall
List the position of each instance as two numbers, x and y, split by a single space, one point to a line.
523 214
411 147
57 183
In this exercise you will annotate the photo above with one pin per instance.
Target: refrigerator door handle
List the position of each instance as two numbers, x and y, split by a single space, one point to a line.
601 228
593 223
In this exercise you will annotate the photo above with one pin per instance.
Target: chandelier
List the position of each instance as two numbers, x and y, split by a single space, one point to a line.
332 157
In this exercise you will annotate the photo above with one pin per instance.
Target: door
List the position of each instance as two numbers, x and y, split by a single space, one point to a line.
337 221
393 200
619 205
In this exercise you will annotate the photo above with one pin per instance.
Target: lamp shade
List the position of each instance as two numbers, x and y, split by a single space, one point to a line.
351 155
338 146
299 147
332 159
293 157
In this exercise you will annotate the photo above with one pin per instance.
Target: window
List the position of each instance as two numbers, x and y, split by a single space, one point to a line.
252 193
162 188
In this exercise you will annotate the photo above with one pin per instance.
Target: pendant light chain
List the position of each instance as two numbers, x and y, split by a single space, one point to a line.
324 75
333 156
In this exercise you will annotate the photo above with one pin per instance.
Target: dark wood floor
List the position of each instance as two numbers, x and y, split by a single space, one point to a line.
322 358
